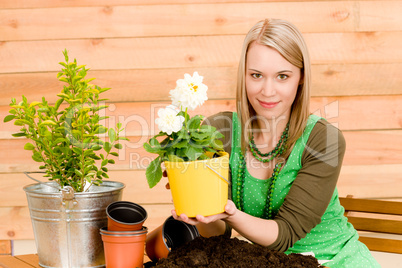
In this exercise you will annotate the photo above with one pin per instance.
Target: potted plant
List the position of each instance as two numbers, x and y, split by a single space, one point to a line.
68 211
192 152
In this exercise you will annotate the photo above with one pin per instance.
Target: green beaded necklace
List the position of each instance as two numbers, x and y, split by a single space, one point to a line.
279 149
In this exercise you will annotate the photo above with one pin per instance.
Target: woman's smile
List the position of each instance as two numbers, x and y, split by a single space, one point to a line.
268 105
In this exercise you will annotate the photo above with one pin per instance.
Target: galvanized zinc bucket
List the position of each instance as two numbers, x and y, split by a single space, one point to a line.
66 224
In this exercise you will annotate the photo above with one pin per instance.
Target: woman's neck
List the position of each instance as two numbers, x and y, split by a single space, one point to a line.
267 133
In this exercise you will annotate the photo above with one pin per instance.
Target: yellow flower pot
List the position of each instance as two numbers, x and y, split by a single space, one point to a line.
199 187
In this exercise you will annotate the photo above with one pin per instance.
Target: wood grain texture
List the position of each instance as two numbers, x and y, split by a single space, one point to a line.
5 247
327 81
190 52
11 262
139 48
347 113
383 150
374 181
16 223
173 20
88 3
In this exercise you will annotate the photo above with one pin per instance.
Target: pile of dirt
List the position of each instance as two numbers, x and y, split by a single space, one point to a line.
219 251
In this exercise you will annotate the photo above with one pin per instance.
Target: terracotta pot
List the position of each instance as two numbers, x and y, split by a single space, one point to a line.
125 216
172 234
124 249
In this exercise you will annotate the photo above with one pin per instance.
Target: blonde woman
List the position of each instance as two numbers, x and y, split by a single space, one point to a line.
284 161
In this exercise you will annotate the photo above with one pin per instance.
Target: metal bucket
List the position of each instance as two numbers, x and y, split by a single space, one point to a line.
66 224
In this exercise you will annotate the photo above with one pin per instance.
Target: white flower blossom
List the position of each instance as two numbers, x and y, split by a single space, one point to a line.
190 92
168 120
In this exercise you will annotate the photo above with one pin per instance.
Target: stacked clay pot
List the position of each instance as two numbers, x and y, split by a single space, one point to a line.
124 238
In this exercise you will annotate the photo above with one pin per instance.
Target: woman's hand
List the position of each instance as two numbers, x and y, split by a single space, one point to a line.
230 210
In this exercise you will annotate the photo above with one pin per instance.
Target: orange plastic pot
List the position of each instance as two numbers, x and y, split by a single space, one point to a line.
170 235
125 216
124 249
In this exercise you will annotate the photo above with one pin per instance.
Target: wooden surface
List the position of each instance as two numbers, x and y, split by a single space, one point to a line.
26 261
22 261
372 218
140 48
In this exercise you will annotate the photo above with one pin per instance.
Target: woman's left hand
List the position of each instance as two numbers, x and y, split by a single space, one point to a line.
230 210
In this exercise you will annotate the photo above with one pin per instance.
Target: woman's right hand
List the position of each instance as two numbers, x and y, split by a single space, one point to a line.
230 210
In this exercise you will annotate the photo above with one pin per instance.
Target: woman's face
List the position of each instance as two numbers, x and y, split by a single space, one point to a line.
271 82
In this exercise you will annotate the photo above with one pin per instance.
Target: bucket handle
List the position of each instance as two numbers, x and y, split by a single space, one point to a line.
41 182
218 174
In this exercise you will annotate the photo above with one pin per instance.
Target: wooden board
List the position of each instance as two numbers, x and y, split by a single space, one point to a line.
176 20
86 3
384 149
370 181
16 221
11 262
114 20
191 51
347 113
327 80
5 247
364 181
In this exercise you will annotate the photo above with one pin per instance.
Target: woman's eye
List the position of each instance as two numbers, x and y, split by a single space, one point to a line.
282 76
255 75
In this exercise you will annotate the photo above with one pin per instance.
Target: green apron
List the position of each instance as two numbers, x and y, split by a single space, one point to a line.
333 239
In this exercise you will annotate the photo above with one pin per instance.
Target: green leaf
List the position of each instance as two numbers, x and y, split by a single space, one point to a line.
8 118
199 135
181 144
96 147
111 161
154 172
34 103
112 135
107 146
104 162
58 103
114 153
21 122
174 158
47 122
193 152
37 157
118 146
29 146
20 134
101 130
153 150
195 122
79 173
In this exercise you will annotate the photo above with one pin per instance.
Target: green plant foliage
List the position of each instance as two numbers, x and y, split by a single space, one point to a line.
191 143
67 139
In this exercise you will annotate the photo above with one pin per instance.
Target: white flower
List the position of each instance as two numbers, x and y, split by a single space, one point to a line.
168 120
190 92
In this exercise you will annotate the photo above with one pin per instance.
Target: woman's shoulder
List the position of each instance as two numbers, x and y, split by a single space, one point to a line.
325 130
220 120
325 138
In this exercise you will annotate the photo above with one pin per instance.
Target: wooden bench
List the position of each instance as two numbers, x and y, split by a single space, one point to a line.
373 218
5 247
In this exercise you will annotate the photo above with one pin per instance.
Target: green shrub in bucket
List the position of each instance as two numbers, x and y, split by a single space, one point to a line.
68 211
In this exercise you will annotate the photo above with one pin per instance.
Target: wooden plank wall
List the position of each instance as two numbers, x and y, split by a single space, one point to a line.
140 48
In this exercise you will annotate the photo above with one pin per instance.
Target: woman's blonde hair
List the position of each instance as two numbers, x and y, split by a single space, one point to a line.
288 41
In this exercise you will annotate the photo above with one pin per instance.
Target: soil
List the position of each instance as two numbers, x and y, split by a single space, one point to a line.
219 251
